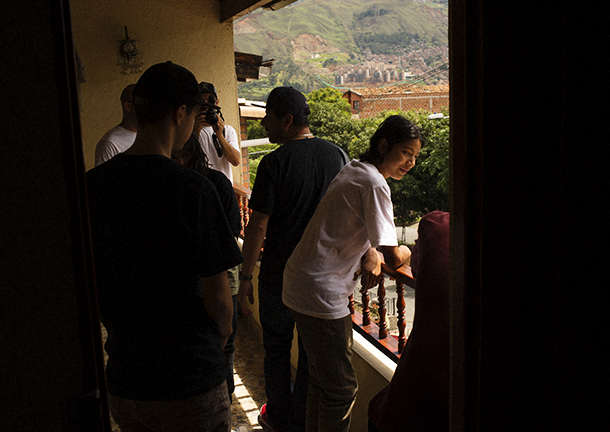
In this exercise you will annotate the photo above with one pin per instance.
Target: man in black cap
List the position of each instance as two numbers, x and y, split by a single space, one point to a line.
290 183
161 250
218 140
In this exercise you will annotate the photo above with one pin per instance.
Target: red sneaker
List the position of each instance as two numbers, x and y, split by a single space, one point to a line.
263 420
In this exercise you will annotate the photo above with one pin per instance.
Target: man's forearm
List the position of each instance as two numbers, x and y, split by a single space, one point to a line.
253 241
254 235
218 302
228 151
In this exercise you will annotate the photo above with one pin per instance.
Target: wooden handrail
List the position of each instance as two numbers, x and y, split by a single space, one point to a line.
377 332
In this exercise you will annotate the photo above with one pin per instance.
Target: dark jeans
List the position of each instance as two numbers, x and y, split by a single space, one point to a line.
285 403
229 351
210 411
332 378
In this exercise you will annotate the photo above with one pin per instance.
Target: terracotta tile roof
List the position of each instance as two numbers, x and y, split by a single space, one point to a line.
367 92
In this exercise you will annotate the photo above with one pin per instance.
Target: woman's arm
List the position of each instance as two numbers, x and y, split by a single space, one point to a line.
395 256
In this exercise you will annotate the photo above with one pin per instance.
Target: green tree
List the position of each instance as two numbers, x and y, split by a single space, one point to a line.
426 187
330 95
330 117
255 130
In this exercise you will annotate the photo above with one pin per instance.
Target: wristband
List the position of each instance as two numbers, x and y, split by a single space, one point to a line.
243 277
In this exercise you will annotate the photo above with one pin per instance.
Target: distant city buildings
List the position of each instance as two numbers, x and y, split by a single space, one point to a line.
362 75
403 66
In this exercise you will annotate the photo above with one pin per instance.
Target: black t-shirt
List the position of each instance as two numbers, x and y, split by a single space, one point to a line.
227 198
290 182
157 227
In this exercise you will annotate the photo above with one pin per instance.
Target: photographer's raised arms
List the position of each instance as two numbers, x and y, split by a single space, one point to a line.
218 140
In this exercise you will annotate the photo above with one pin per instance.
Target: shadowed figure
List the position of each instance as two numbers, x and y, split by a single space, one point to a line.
417 398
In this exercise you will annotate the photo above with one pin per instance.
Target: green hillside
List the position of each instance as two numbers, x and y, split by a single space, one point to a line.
345 32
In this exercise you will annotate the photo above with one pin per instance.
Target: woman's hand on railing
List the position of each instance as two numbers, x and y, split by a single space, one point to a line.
370 269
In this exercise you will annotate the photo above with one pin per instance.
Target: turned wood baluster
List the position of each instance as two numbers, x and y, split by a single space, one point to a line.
247 211
243 200
366 313
242 211
400 305
383 326
350 304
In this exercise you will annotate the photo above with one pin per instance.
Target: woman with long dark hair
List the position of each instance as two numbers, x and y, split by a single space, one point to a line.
354 221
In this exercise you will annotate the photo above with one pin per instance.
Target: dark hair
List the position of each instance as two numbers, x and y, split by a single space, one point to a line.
287 100
154 113
298 122
395 129
162 88
197 158
127 94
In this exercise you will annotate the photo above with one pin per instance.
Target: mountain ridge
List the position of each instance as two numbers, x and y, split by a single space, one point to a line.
323 38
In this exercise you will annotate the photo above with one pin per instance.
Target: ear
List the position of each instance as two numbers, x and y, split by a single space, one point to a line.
179 114
288 119
383 146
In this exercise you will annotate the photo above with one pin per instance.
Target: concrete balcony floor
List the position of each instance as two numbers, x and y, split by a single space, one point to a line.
249 377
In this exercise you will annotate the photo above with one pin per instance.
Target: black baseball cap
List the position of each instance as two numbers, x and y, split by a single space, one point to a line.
167 84
287 100
208 88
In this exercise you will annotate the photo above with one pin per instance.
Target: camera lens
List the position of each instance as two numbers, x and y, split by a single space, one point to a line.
211 118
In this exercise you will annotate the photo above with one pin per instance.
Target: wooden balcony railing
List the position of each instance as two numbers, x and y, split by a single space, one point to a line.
377 332
243 198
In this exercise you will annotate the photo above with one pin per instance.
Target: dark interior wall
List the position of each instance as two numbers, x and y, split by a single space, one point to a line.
530 212
47 361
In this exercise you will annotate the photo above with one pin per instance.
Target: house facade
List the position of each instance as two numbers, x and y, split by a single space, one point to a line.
368 102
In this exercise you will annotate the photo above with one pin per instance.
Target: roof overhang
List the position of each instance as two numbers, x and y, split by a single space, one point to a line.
230 10
250 67
251 110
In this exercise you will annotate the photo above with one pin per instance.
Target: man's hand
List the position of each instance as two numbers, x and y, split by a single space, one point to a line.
229 152
253 240
370 269
246 290
219 127
218 303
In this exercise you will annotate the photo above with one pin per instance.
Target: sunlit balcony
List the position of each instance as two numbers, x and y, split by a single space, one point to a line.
379 337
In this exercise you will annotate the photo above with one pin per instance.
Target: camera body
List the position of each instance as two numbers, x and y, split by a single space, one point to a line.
213 111
211 116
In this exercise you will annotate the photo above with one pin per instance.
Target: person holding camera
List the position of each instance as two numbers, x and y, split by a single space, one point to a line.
218 140
162 246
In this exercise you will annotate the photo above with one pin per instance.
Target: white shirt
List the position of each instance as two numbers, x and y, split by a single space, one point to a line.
355 213
218 163
117 140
